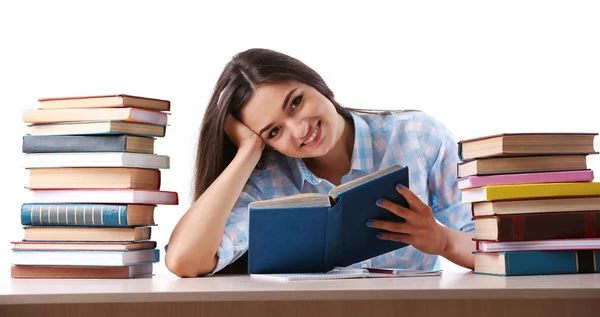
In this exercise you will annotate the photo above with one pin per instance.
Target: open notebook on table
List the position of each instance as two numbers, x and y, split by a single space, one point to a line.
347 273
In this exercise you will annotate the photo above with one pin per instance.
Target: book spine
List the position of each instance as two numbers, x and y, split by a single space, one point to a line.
551 262
72 143
333 237
543 226
82 215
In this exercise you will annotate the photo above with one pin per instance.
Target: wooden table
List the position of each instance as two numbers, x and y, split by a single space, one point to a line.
452 294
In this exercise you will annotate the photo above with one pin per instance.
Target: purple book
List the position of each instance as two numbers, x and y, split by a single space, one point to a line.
526 178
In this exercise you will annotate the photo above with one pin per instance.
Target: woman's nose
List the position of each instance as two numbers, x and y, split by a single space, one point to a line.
300 129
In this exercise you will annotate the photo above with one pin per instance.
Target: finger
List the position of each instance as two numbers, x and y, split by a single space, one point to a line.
391 226
399 210
415 203
398 237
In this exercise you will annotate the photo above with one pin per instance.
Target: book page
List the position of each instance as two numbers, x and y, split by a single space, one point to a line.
336 191
346 273
299 200
335 274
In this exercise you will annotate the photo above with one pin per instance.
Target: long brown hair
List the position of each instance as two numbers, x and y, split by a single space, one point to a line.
240 77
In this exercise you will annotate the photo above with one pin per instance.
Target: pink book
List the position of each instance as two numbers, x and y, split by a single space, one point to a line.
104 196
526 178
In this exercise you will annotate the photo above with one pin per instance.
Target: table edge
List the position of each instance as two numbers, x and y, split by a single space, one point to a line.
300 295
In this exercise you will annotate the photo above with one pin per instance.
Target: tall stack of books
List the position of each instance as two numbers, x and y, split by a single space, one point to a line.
94 184
535 204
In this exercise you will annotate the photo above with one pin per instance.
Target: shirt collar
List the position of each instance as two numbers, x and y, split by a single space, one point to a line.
362 155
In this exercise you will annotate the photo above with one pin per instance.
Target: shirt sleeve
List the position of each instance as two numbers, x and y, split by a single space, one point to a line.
441 152
234 242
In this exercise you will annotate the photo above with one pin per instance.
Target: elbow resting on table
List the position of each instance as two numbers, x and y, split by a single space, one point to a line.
183 266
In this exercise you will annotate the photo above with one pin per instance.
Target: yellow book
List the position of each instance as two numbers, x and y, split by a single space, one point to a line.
530 191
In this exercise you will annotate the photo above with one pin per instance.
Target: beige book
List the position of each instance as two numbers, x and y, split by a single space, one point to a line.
96 159
524 164
91 272
95 114
539 205
105 101
524 144
94 177
98 127
86 234
83 245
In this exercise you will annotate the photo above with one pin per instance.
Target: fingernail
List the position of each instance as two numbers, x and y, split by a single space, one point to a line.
370 223
380 201
378 235
399 186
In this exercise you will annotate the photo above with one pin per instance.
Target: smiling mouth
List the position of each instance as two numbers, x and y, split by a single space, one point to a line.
313 135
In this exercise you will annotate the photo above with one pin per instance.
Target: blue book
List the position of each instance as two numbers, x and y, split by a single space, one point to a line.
87 143
314 233
515 263
87 215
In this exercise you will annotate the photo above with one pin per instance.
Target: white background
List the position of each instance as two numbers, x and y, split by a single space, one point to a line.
481 67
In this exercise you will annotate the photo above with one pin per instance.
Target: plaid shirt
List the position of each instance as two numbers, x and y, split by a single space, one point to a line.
406 138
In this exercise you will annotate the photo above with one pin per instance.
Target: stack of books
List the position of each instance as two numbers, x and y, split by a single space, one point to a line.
94 184
535 204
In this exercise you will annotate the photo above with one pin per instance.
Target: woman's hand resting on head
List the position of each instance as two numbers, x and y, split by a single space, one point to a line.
241 135
420 229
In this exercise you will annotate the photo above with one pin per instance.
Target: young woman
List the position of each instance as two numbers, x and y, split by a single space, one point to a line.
273 128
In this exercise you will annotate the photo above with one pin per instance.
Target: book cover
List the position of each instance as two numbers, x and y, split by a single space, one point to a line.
311 233
537 262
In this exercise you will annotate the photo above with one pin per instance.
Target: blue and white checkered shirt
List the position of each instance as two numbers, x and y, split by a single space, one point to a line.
406 138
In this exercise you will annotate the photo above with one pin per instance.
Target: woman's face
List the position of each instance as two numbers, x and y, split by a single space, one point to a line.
294 119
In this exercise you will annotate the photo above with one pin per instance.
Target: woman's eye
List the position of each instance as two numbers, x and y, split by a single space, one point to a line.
274 132
296 102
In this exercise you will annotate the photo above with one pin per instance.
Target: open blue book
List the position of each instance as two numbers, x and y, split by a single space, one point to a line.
346 273
314 233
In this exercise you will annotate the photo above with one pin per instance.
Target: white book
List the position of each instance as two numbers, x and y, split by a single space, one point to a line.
84 258
95 159
103 196
347 273
540 245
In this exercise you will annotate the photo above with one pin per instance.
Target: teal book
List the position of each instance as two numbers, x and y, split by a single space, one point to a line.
516 263
87 215
314 233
